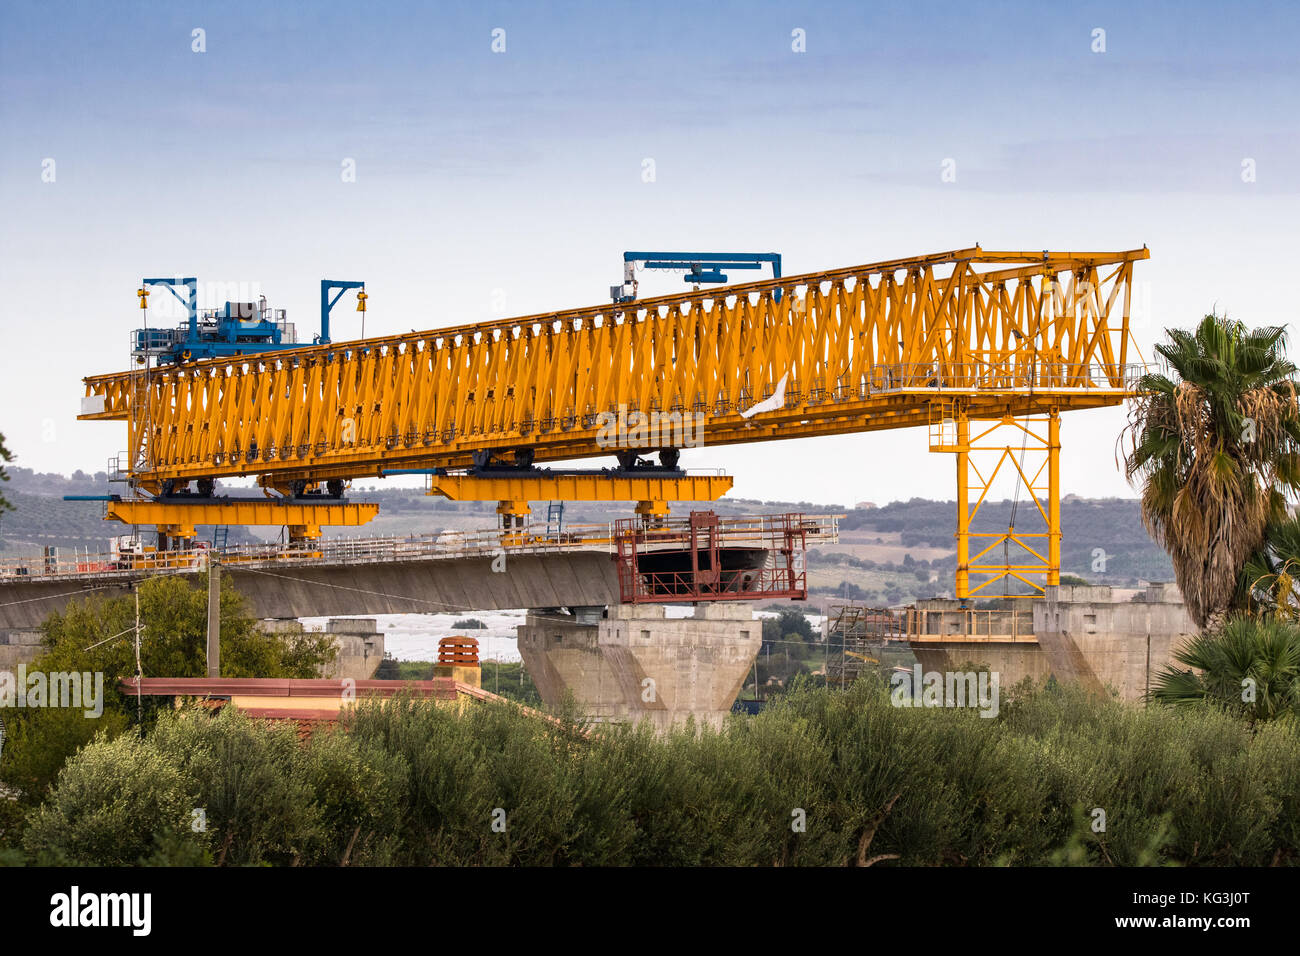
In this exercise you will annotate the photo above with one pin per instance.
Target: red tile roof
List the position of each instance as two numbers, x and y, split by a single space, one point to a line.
306 715
442 688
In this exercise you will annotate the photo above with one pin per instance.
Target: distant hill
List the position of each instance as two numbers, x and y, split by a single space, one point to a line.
888 554
41 518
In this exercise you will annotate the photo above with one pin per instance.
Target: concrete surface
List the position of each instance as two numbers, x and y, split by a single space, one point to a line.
359 643
18 647
412 587
635 664
1078 634
1088 637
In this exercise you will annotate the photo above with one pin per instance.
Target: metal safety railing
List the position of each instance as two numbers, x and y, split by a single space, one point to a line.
1005 374
666 533
943 625
718 558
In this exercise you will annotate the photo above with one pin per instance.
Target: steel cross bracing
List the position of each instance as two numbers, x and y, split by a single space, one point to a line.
1025 555
859 349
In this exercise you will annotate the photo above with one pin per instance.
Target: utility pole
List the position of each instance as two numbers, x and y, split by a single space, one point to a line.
139 671
214 615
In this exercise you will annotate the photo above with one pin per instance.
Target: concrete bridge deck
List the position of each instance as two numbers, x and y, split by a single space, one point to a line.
290 588
449 572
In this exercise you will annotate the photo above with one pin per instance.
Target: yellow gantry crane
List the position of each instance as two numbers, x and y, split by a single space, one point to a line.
970 343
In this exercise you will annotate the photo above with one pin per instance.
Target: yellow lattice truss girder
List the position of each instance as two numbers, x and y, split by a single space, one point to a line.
859 349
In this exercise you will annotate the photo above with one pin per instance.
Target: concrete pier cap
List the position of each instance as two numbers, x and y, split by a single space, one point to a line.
632 662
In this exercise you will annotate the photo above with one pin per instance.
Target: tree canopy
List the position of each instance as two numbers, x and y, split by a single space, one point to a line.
5 456
1216 444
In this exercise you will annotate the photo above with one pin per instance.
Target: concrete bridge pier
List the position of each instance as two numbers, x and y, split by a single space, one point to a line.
359 644
626 663
1080 634
19 646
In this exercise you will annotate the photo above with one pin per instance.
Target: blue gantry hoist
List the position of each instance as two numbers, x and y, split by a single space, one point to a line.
699 267
237 328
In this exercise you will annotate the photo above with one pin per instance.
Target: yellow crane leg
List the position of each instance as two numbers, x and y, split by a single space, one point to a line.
514 512
981 459
300 533
963 507
1054 497
514 508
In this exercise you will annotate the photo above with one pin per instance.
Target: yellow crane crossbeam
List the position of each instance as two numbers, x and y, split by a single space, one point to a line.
857 349
173 514
580 488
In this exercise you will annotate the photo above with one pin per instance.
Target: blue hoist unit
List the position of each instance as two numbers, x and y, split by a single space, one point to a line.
699 267
237 328
327 304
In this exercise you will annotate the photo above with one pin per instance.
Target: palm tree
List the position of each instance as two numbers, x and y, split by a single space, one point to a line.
1216 443
1271 578
5 455
1251 668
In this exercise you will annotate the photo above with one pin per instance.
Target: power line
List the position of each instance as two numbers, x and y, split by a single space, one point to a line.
50 597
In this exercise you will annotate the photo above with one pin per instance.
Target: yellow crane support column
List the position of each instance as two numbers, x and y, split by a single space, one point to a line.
176 536
513 511
303 533
1004 448
653 512
963 507
1054 497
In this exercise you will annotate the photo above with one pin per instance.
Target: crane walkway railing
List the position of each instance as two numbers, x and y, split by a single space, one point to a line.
999 375
57 564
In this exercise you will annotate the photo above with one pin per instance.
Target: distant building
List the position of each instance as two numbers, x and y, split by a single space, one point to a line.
865 505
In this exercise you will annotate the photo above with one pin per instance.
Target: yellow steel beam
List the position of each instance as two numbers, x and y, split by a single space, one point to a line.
580 488
859 349
963 505
188 514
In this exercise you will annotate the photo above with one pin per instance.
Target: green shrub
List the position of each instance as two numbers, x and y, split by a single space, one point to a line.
245 777
111 804
408 782
40 741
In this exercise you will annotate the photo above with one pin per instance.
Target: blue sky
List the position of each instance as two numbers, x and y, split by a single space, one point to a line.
490 182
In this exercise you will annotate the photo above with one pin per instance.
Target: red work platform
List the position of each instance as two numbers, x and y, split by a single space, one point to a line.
710 558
